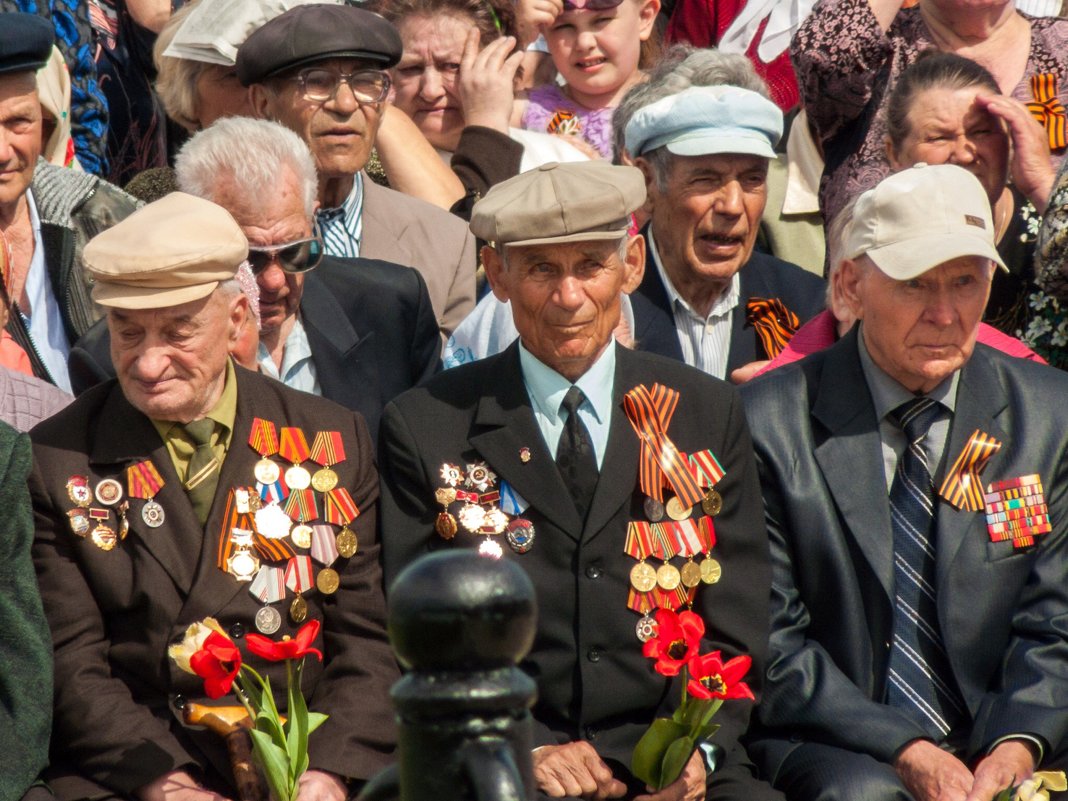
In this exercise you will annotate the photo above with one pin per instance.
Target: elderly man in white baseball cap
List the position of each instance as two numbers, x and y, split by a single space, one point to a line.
913 489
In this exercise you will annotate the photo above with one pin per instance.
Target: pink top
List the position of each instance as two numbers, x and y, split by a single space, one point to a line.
550 111
822 331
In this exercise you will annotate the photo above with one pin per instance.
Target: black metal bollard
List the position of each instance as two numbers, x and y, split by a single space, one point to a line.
460 623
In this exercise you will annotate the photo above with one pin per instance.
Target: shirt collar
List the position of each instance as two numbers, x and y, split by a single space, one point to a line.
350 208
887 393
224 412
724 304
547 388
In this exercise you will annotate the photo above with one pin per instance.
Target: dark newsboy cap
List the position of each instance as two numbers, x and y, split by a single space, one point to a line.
25 42
310 33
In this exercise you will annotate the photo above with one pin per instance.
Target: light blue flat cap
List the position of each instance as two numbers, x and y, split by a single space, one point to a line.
704 120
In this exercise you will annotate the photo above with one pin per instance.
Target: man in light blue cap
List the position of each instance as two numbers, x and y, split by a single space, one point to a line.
704 152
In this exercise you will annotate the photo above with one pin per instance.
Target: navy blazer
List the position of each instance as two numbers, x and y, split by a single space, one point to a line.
1003 610
763 276
369 323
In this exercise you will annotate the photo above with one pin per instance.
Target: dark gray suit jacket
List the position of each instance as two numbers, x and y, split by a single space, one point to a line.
1003 611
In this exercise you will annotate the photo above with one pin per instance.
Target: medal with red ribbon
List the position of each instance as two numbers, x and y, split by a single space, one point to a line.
293 447
299 578
324 545
962 488
144 481
302 506
263 438
270 550
650 412
340 509
327 450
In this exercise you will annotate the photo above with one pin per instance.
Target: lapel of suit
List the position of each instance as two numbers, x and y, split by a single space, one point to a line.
742 349
383 235
850 458
121 439
980 400
619 467
654 322
506 424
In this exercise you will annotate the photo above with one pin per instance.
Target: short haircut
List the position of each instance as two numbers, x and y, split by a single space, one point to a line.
249 155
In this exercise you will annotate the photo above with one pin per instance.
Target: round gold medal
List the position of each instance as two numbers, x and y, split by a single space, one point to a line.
346 543
301 536
266 471
445 525
298 478
691 574
675 509
667 577
712 503
327 581
710 571
643 577
324 480
298 610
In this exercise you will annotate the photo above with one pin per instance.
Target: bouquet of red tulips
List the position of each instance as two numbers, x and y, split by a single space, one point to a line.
663 751
280 747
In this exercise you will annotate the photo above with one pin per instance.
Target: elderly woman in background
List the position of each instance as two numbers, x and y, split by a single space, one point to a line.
948 109
849 55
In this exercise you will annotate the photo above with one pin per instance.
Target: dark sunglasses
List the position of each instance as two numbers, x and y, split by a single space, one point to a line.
591 5
293 257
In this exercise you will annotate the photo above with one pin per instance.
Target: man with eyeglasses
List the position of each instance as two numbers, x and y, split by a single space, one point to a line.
320 71
356 331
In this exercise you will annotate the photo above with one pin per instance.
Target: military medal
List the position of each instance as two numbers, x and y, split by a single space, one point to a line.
471 517
108 491
327 449
268 621
646 627
298 610
263 438
293 447
480 477
676 510
268 587
103 537
654 510
643 577
340 509
242 564
301 536
445 524
710 571
272 522
495 521
266 471
79 522
298 576
78 491
452 475
520 535
346 543
712 503
327 581
668 577
691 574
491 549
144 481
524 455
124 523
301 507
323 547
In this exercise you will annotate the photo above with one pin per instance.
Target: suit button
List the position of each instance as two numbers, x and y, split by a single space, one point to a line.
237 631
178 700
593 572
594 655
591 733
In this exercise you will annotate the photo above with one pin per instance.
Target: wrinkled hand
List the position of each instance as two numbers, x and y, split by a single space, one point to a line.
1009 764
748 371
487 79
1032 172
319 785
931 774
574 769
176 786
690 786
531 16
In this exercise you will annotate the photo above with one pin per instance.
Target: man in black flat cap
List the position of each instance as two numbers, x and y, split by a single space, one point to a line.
47 213
320 70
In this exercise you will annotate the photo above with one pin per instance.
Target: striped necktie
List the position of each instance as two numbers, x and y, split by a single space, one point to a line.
920 679
202 476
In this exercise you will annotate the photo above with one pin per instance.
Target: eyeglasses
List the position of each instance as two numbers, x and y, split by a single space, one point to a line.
591 5
293 257
321 85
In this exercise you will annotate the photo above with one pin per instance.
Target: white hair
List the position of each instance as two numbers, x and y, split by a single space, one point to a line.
249 155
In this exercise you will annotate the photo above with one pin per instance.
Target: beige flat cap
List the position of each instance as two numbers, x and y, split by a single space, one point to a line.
574 202
167 253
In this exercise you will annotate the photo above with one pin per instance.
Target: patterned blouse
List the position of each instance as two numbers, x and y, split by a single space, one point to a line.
846 67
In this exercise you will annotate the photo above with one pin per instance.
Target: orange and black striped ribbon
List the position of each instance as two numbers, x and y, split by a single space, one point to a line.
773 322
650 414
292 445
639 542
645 602
263 437
564 122
301 506
1047 109
143 480
328 449
962 488
340 509
268 549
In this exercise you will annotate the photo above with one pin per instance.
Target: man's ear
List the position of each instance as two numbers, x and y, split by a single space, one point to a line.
650 182
634 264
847 287
495 268
239 311
262 101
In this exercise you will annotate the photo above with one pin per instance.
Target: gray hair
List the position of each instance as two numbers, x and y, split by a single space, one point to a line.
250 154
621 249
681 67
176 78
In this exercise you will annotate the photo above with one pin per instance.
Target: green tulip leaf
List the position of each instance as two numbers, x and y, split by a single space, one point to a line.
649 753
675 759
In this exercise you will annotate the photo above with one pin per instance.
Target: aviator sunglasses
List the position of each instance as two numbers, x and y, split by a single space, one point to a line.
293 257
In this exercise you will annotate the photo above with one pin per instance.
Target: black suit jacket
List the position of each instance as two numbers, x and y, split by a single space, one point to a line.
762 276
369 323
593 682
1003 611
113 613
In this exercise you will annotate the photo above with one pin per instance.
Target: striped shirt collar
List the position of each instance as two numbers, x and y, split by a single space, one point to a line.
343 226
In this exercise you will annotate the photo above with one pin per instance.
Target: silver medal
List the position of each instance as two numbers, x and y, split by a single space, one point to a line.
268 620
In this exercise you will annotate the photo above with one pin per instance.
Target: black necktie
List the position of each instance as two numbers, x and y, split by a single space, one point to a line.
920 679
575 458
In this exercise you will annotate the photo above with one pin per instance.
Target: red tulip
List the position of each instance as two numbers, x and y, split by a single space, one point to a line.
678 637
710 678
277 651
217 662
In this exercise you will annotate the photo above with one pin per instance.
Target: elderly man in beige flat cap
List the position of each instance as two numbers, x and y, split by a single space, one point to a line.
533 455
153 496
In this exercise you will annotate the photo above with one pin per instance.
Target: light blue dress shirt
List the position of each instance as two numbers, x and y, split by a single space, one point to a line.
45 325
298 369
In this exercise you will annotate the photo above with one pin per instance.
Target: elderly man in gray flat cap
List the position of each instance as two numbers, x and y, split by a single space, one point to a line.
532 455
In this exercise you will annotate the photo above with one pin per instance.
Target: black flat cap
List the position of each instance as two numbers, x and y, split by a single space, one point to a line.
25 42
310 33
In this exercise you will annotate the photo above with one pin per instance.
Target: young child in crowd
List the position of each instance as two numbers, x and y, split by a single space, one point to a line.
596 46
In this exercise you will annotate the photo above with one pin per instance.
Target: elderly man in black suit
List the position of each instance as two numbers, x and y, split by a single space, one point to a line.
356 331
707 297
915 493
163 498
535 446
